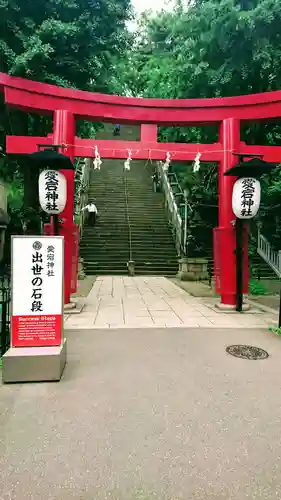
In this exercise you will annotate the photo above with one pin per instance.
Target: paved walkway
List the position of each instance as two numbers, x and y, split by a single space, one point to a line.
146 302
151 414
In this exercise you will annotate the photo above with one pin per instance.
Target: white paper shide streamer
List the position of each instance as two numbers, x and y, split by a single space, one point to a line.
196 164
97 159
127 163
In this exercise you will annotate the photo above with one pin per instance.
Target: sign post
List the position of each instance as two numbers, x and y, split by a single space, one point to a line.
38 347
245 204
239 264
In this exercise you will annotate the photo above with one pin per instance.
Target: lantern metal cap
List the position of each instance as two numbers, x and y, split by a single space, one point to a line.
255 167
51 159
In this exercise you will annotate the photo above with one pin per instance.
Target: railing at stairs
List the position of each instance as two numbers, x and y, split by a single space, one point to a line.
272 257
176 218
128 219
172 208
83 195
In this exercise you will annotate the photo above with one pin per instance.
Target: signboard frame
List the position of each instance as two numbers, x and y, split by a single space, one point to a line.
14 341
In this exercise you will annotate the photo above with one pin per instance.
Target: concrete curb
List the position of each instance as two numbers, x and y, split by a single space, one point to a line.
252 303
262 307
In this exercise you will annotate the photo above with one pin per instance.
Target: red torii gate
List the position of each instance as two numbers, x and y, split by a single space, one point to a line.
67 105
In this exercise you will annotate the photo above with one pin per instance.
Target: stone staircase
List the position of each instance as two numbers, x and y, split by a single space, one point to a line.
129 211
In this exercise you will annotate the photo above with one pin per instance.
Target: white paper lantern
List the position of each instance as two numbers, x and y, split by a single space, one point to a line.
246 197
52 191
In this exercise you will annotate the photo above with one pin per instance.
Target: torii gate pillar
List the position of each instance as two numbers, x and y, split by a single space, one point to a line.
229 136
64 134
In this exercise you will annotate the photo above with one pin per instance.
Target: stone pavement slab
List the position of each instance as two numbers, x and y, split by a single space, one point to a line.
146 302
144 414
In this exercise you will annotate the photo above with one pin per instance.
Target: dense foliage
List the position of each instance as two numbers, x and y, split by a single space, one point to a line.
65 42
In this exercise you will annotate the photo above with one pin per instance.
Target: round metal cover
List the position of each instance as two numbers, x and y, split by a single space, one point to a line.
247 352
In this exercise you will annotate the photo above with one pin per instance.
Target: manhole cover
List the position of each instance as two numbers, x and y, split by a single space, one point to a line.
246 352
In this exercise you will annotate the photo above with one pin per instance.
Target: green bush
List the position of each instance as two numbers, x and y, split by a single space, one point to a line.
276 330
256 287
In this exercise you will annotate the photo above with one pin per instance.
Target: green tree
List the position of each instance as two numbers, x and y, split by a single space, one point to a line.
66 42
212 48
72 43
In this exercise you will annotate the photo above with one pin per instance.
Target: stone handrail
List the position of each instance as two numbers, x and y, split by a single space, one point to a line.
84 193
171 208
272 257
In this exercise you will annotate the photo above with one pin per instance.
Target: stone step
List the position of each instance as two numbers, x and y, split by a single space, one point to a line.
143 259
151 259
118 252
143 222
108 211
141 266
105 218
124 230
138 264
113 272
143 244
159 252
119 224
139 235
103 201
124 235
137 250
124 243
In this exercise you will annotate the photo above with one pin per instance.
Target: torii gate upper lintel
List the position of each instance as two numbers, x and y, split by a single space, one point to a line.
67 105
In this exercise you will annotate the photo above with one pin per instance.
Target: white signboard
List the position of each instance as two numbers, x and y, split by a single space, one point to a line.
246 197
37 290
52 191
